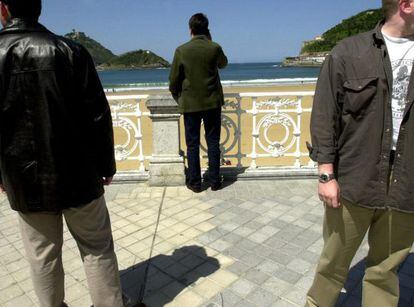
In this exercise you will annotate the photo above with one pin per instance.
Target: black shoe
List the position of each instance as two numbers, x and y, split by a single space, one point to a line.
216 186
194 188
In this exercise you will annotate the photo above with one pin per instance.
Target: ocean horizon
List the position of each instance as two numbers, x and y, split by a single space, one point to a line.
235 74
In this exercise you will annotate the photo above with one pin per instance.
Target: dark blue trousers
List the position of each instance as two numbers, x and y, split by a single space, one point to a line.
212 127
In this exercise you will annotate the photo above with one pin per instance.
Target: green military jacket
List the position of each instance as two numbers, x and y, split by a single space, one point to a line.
194 78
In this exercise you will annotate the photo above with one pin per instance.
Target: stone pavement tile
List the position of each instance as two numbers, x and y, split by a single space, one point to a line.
223 261
220 245
287 275
17 265
247 244
262 297
204 227
207 288
238 268
280 257
26 285
305 282
309 256
243 287
188 298
10 293
232 238
276 286
295 295
235 252
256 276
229 298
75 292
251 259
268 266
223 277
7 281
20 301
299 266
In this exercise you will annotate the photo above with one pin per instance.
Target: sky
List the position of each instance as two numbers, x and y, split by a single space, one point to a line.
248 30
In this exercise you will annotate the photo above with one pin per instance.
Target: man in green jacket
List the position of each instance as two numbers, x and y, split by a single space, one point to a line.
195 85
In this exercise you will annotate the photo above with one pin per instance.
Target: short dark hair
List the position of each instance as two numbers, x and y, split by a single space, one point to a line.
26 9
389 7
199 24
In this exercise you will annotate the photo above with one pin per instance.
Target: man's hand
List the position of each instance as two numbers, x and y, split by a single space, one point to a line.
2 189
329 193
107 180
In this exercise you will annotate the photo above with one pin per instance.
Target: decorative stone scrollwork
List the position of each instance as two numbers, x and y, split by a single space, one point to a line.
276 148
129 131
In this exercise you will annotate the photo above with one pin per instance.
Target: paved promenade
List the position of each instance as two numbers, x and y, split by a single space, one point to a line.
251 244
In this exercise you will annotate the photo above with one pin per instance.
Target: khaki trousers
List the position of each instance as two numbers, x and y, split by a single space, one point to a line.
90 226
390 238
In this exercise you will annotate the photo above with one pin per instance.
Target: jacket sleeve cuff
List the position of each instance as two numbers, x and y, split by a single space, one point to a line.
321 157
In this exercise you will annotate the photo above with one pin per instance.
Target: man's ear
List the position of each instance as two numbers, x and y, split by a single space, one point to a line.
4 11
406 6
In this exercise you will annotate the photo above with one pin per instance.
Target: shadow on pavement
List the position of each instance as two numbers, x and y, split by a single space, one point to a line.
353 286
168 275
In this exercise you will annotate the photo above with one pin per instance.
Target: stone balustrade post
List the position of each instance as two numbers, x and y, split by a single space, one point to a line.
166 166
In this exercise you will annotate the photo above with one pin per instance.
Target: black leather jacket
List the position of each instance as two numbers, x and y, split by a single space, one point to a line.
56 136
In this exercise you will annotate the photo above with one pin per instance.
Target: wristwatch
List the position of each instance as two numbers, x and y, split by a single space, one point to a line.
325 177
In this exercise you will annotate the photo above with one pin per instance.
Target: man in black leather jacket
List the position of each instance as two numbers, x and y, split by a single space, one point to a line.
56 153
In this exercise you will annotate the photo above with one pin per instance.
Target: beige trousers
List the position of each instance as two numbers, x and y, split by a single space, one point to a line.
90 226
390 237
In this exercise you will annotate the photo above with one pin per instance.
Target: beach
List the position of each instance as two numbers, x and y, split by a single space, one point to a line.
241 121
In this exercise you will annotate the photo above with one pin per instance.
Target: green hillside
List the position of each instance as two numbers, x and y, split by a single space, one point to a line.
359 23
105 59
98 52
137 59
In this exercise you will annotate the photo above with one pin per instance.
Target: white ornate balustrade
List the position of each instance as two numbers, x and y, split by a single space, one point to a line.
263 134
279 110
127 118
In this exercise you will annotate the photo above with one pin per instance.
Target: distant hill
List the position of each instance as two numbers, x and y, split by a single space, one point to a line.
105 59
99 53
136 59
313 52
359 23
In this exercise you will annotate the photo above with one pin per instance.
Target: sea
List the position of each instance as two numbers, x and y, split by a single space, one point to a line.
248 74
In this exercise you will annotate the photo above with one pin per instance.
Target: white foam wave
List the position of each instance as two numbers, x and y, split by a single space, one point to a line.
226 83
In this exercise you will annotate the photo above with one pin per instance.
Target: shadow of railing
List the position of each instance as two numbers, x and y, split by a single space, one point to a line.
168 276
353 286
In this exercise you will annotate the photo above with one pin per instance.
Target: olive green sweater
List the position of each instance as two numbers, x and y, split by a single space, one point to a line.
194 78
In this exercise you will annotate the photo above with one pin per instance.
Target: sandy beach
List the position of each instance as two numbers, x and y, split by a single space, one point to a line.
244 145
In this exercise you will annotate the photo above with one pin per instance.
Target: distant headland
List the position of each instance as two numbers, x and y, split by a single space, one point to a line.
105 59
313 52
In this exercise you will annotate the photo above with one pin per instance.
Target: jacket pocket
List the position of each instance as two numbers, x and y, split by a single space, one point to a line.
360 95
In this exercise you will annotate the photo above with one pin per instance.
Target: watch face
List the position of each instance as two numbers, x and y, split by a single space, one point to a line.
324 177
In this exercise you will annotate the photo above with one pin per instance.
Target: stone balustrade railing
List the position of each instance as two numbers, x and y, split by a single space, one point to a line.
263 135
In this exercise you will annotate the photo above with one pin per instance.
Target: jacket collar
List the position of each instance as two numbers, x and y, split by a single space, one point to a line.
199 37
377 34
23 25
